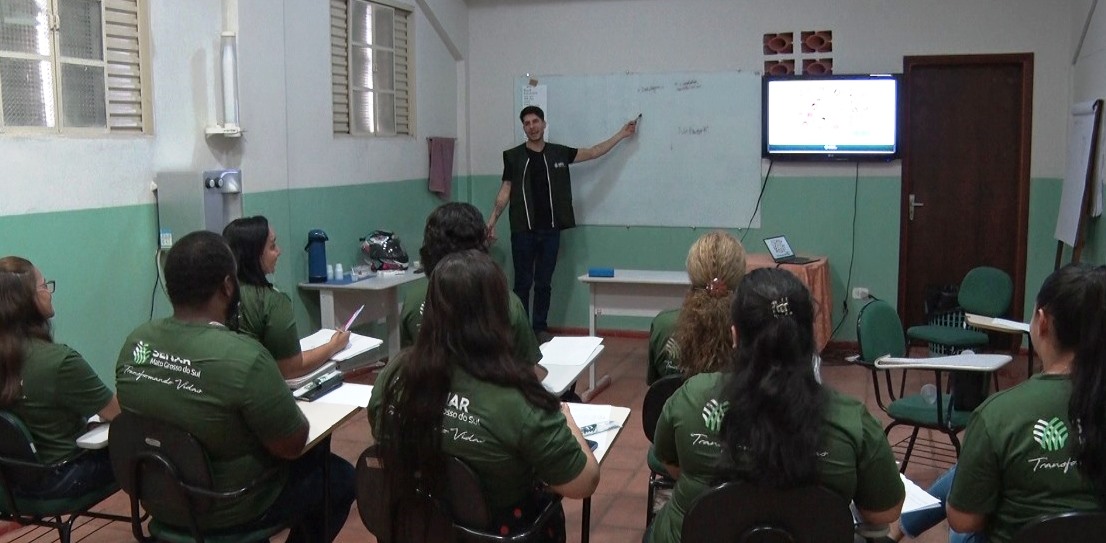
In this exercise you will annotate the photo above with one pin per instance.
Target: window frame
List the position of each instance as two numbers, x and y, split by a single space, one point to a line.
343 87
124 60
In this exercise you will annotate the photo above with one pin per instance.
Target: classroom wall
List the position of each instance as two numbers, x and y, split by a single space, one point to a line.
82 209
812 204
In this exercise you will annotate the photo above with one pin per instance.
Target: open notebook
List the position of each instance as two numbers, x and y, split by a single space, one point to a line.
357 343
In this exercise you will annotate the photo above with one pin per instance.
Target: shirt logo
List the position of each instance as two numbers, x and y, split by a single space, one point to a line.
141 353
671 353
713 413
1050 435
559 165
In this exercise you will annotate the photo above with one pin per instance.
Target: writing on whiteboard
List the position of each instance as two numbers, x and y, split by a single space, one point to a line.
688 85
693 130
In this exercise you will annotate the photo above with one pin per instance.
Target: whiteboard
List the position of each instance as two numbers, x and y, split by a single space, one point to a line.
1080 131
695 160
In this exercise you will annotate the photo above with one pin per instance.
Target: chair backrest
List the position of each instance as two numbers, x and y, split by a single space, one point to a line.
653 404
16 450
986 291
378 508
879 332
151 459
1064 527
742 512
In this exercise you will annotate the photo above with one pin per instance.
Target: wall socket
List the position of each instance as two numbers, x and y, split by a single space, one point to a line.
860 293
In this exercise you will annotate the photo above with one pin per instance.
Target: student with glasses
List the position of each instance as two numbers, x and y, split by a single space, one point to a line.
47 385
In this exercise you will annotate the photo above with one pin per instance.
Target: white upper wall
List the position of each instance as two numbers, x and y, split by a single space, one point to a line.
284 91
1089 74
509 38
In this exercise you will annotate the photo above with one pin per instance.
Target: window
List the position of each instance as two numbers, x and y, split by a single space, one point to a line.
72 66
371 66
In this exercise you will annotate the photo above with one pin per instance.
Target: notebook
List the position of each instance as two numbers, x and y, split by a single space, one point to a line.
782 253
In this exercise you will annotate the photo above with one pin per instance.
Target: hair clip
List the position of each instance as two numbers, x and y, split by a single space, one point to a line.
781 308
717 288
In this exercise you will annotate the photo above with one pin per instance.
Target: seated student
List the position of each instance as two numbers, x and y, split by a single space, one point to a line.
450 228
1039 447
458 391
265 313
47 385
767 420
693 339
224 388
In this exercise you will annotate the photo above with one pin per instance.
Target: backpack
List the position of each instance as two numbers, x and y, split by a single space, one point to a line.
382 251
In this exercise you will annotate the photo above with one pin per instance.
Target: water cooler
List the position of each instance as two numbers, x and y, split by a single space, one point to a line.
188 201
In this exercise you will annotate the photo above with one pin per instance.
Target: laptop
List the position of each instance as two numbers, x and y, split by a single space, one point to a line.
782 253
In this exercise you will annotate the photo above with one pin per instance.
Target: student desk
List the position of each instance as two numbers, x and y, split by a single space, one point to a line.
380 294
559 376
585 414
996 324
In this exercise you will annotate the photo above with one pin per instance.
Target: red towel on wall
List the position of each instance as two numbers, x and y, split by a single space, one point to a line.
441 166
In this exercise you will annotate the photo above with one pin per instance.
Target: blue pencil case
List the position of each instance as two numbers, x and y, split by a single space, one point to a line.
600 272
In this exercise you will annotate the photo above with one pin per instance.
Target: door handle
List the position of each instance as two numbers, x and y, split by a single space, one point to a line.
913 204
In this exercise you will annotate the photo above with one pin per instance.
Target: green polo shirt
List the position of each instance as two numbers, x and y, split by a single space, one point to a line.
266 315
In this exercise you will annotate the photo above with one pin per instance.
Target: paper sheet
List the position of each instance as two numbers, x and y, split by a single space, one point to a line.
569 351
357 344
348 394
916 498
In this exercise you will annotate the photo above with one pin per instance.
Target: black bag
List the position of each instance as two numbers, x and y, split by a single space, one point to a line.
382 251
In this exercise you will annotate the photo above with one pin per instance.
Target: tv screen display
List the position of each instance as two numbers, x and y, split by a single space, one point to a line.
830 117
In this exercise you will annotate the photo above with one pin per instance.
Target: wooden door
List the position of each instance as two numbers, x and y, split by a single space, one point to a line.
965 169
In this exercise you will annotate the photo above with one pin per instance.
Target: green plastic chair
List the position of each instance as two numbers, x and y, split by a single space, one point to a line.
166 470
20 464
984 291
879 333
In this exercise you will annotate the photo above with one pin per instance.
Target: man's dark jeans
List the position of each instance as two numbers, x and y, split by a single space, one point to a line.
535 256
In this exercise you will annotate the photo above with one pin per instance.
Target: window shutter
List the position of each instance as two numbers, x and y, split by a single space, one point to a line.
339 64
402 76
123 45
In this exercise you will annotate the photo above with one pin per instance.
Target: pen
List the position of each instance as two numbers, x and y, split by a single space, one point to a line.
598 427
353 317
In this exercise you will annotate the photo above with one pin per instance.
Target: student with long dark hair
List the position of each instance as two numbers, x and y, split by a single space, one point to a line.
768 421
453 227
1039 447
47 385
265 313
459 392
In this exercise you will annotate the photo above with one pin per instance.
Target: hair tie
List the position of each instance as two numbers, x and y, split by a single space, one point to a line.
716 288
781 308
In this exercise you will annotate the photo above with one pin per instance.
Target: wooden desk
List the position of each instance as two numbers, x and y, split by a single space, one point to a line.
644 293
585 414
380 294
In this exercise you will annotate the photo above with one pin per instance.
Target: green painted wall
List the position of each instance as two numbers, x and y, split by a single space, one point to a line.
816 214
103 259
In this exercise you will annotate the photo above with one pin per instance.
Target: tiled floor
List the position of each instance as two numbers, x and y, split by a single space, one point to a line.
618 507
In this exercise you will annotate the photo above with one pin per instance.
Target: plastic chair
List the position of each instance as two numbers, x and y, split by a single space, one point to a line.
984 291
166 470
651 408
740 512
879 332
1064 528
461 514
19 465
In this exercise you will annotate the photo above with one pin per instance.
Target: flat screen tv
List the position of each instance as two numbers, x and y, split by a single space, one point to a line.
830 117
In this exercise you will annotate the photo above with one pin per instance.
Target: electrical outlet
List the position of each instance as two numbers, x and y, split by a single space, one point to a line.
860 293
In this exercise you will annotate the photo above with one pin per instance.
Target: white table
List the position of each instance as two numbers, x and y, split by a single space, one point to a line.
379 294
956 362
322 418
560 376
1005 326
585 414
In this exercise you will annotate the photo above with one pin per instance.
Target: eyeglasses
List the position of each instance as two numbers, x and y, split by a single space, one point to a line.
48 286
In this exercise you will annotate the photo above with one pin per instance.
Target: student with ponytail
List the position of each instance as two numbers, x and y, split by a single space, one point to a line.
459 391
767 420
1039 447
49 386
694 338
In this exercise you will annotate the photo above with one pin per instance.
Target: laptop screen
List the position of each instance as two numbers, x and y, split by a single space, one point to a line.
779 247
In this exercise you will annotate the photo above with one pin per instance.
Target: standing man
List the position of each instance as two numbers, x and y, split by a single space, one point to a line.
537 184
